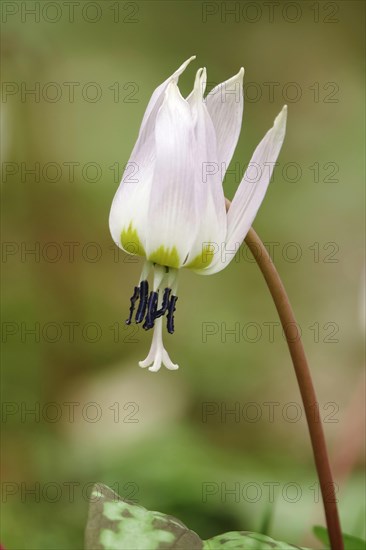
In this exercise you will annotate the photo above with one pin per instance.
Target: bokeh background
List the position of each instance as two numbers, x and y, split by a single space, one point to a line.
167 439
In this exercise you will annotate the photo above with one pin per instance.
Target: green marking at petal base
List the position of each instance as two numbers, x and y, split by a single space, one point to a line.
165 256
131 242
203 259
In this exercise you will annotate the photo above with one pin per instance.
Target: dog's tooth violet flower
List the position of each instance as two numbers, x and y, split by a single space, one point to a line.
170 208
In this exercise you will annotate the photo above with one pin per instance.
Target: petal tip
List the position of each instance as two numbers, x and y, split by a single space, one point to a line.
281 117
186 63
182 68
239 75
200 82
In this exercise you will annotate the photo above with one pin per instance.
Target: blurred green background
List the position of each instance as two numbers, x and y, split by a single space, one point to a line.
98 416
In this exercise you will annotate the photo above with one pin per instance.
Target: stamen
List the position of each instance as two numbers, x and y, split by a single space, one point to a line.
173 280
164 306
151 311
161 300
145 271
133 299
144 292
170 316
159 274
154 298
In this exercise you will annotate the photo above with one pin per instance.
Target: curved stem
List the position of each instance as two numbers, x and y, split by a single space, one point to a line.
306 386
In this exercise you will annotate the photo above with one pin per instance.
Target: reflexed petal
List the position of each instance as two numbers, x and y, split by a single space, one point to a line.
251 190
128 214
156 100
211 197
173 218
225 104
199 86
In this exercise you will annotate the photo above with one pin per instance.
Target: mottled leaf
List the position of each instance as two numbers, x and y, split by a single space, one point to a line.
350 542
116 524
246 541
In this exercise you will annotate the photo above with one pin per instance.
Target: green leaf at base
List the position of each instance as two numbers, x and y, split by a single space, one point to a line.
247 541
116 524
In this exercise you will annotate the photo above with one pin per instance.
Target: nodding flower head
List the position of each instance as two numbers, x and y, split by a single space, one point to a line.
170 208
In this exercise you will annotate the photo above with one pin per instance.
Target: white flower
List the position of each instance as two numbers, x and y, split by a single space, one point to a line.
170 208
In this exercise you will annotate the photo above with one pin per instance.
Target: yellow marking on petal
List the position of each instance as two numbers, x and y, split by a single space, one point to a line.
131 242
203 259
165 256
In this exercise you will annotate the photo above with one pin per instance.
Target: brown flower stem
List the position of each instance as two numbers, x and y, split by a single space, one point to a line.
306 386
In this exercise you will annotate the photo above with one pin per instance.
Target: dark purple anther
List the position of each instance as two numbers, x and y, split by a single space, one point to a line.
165 303
133 299
144 292
151 310
170 316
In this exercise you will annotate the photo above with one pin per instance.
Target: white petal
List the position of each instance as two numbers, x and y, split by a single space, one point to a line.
199 85
225 104
173 212
251 191
156 100
129 208
211 198
130 204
